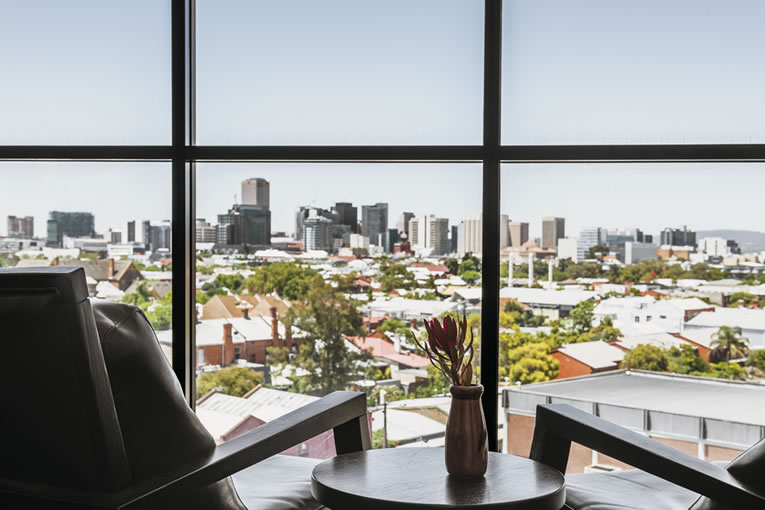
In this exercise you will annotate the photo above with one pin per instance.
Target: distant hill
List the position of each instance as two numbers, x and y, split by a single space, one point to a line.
749 240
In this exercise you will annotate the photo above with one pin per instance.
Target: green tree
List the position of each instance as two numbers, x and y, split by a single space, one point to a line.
141 297
202 298
217 287
287 279
234 381
324 318
741 298
646 357
531 363
726 370
160 317
728 343
686 360
394 326
471 277
597 251
757 359
392 393
581 316
377 440
395 276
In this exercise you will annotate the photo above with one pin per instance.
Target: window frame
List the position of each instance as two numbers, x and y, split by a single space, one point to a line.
184 153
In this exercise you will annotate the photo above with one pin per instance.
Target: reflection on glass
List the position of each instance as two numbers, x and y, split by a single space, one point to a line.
102 217
84 72
632 72
639 267
311 288
339 72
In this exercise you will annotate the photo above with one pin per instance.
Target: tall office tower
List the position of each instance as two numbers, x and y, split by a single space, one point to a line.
504 233
374 221
131 231
255 224
317 233
305 211
589 237
115 236
394 237
429 232
146 233
453 245
347 214
21 227
519 233
677 237
461 239
161 236
70 224
402 225
228 232
256 192
552 230
474 233
205 233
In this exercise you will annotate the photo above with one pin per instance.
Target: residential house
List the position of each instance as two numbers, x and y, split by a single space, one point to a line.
586 358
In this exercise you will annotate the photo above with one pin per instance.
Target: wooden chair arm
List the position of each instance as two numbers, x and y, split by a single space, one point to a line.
343 411
557 425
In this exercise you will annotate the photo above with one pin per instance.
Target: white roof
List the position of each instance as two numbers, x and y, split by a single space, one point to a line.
404 425
410 306
594 354
741 317
106 290
469 294
217 423
688 304
210 331
547 297
701 336
663 340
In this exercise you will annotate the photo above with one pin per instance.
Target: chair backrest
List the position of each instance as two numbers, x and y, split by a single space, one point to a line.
58 424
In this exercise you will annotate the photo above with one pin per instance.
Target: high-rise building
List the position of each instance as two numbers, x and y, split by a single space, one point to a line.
305 211
255 192
70 224
374 221
589 237
519 233
228 232
567 248
146 233
205 233
402 225
317 233
347 214
677 237
552 230
115 236
255 224
453 245
131 231
473 233
161 236
429 232
21 227
504 232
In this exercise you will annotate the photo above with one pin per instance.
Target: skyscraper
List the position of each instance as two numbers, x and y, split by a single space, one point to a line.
519 233
429 232
70 224
131 231
347 214
474 233
256 192
589 237
255 224
677 237
317 233
374 221
552 230
402 225
21 227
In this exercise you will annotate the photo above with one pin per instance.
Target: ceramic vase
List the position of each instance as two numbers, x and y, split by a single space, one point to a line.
467 445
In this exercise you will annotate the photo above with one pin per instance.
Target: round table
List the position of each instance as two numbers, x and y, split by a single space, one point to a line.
416 478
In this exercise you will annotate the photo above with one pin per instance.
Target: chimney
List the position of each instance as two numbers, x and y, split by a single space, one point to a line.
228 344
246 313
111 268
274 325
413 323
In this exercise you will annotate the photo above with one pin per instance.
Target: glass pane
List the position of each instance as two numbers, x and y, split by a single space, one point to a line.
633 72
339 72
642 280
84 72
280 265
107 221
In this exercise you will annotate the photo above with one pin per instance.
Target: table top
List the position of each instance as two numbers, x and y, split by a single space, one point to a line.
416 478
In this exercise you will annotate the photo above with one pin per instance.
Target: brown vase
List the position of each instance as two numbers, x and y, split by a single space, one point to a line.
467 443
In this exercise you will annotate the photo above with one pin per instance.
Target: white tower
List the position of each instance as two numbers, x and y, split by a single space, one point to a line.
531 269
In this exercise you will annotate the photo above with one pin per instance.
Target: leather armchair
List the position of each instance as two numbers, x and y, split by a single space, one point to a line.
666 478
93 416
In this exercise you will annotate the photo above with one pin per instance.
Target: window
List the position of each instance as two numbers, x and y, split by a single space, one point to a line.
418 87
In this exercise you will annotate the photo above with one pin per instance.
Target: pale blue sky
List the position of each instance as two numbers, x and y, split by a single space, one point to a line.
392 72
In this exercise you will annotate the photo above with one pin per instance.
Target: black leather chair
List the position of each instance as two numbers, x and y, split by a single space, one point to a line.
91 414
666 478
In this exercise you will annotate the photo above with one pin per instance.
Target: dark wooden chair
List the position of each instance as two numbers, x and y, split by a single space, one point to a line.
91 414
665 478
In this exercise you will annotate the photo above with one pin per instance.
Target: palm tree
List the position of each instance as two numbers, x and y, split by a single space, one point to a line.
728 343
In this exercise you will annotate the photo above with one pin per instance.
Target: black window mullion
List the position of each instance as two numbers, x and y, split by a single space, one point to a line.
490 234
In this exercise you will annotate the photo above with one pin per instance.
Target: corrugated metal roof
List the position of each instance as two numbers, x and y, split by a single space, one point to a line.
693 396
742 317
547 297
593 354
